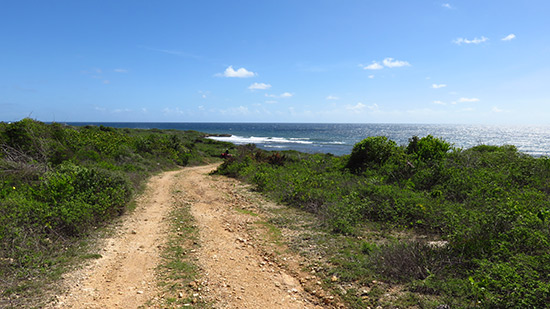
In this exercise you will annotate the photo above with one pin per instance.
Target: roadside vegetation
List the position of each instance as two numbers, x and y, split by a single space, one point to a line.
476 221
60 183
441 225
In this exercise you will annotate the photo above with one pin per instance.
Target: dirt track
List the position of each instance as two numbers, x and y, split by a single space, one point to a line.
235 271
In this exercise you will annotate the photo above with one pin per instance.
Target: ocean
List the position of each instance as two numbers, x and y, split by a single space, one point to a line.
339 139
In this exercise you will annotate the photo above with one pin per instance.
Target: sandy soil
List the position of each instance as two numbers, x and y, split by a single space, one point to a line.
124 277
238 266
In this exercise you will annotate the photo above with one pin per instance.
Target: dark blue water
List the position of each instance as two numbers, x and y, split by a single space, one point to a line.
339 139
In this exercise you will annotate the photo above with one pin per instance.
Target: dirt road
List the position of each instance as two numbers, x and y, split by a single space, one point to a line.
236 270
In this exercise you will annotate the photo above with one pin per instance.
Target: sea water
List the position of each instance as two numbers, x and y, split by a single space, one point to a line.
339 139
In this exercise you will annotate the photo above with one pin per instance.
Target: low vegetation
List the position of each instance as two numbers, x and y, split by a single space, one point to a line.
476 221
479 217
58 183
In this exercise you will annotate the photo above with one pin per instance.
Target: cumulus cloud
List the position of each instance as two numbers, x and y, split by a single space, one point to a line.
356 108
437 86
439 102
282 95
509 37
259 86
373 66
332 97
388 63
240 73
476 40
447 5
392 63
371 76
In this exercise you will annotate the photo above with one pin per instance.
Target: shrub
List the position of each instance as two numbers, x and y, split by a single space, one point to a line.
409 261
370 152
428 148
78 197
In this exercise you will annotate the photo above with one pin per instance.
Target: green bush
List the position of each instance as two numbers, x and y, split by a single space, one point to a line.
370 152
428 148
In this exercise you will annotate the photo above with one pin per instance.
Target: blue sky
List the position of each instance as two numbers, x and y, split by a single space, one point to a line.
391 61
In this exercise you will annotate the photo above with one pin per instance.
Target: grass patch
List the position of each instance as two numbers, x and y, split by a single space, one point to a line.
91 256
178 273
273 232
246 211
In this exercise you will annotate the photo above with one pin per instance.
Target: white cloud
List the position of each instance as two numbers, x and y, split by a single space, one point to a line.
439 102
204 94
509 37
271 102
373 66
374 107
447 5
120 70
282 95
259 86
356 108
392 63
106 82
360 107
388 62
332 97
240 73
437 86
462 100
461 41
371 76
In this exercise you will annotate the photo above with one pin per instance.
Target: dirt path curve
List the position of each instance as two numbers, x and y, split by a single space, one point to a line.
235 272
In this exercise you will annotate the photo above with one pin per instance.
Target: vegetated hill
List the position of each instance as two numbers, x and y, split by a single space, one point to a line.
488 205
58 182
